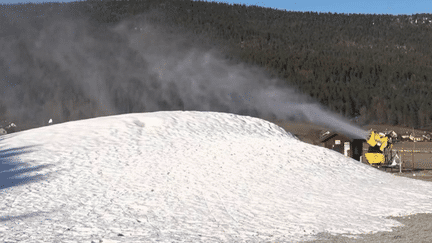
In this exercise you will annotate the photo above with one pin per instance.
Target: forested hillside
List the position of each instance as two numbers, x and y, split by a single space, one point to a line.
373 67
369 68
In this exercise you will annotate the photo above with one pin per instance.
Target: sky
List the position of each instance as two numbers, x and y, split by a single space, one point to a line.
190 176
393 7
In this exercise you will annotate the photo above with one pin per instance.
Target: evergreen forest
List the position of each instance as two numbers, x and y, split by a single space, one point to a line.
369 68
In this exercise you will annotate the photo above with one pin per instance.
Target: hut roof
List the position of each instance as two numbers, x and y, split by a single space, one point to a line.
326 135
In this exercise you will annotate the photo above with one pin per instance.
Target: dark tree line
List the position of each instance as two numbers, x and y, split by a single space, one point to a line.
375 68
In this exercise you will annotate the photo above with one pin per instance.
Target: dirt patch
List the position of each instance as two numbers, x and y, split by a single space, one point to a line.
309 132
306 132
417 228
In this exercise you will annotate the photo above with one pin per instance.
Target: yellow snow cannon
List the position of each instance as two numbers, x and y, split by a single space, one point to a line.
379 143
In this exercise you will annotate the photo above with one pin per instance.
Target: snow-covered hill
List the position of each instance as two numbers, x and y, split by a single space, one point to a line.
185 176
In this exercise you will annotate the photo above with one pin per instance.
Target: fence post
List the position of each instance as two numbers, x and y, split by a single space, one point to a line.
400 165
412 151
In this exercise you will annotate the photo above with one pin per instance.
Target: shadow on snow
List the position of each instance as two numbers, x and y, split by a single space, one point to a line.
12 172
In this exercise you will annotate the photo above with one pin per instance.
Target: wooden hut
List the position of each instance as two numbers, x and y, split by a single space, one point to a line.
349 147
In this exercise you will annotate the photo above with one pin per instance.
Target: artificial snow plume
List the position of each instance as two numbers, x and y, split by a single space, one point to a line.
136 65
190 176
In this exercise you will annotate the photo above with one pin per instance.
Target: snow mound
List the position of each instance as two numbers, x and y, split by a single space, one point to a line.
197 177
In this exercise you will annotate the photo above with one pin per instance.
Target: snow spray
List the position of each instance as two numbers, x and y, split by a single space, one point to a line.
58 63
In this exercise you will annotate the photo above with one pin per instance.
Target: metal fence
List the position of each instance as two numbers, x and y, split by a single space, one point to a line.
415 159
414 155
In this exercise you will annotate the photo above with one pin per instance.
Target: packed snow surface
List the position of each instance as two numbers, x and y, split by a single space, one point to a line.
185 176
